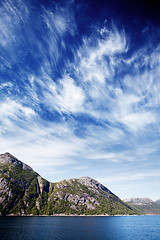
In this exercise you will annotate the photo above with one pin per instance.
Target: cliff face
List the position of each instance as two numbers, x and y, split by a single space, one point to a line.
23 191
20 186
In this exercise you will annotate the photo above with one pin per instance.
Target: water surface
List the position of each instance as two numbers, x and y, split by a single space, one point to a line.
80 228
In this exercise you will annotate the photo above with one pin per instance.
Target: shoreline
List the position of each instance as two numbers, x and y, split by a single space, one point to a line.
75 215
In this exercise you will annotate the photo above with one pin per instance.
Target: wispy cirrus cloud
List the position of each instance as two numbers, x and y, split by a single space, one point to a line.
67 96
76 101
129 177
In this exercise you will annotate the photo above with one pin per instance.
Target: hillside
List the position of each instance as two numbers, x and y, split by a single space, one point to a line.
144 205
24 192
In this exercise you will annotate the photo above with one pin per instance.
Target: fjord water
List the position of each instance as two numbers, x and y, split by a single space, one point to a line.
80 228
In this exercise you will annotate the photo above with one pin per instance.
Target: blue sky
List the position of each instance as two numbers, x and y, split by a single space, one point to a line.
80 91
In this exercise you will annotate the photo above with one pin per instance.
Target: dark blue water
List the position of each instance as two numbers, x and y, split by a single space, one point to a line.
84 228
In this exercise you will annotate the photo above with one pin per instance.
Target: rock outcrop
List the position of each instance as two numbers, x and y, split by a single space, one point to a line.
25 192
9 159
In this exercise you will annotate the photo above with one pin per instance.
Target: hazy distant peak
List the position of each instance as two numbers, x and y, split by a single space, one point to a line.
138 200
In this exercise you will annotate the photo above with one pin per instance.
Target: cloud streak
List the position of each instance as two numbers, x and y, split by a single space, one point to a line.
76 100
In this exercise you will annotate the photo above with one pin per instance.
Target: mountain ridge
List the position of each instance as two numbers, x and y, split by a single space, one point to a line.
25 192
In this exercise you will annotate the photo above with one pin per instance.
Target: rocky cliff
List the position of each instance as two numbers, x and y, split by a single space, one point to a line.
24 192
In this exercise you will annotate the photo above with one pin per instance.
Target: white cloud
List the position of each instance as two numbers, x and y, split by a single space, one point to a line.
134 106
6 85
106 156
142 58
94 65
130 110
41 144
65 97
13 109
11 114
113 103
71 97
137 121
60 20
60 24
12 15
38 155
130 177
96 97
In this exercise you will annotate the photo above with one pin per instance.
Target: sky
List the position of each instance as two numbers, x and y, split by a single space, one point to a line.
80 90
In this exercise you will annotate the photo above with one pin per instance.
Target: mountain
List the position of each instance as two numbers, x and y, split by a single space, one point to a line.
25 192
139 201
158 201
144 205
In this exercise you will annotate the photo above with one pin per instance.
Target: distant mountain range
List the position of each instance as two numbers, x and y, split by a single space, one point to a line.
144 205
25 192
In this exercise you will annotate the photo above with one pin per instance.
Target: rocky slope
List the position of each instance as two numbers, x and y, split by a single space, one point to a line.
144 205
23 192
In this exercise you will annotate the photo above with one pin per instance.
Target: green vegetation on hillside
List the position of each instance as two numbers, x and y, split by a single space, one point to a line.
150 208
24 192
